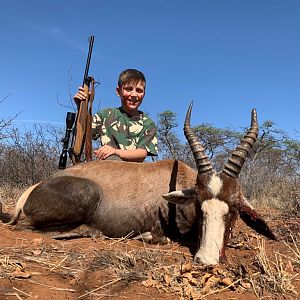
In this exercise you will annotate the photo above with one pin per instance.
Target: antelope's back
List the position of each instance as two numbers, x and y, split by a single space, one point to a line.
134 182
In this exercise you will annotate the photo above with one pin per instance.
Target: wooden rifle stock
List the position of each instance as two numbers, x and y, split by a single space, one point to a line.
83 125
80 127
88 130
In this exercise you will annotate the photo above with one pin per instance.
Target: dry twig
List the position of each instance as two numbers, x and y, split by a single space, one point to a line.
25 294
99 288
52 287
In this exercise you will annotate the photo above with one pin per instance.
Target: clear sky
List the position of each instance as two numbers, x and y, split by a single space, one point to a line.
227 56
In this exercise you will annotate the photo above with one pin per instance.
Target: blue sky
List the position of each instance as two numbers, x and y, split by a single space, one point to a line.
227 56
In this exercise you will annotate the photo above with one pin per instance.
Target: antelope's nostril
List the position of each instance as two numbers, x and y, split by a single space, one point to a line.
197 260
206 260
222 259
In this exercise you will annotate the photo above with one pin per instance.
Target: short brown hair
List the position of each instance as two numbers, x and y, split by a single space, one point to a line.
129 75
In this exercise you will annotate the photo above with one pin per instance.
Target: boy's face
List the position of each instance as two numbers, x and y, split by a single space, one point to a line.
131 94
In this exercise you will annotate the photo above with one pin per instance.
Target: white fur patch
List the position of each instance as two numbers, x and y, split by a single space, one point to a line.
21 201
173 194
183 197
246 202
213 230
145 236
215 184
187 193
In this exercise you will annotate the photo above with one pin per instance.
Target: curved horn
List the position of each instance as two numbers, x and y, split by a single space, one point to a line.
235 162
202 162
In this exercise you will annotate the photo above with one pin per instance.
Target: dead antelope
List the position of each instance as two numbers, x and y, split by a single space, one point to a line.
121 197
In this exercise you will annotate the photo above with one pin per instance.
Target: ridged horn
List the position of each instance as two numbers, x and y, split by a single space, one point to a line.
202 162
235 162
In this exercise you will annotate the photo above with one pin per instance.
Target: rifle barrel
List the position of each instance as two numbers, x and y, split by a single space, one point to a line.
86 73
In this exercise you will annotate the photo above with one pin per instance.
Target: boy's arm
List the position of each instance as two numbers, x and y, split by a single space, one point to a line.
135 155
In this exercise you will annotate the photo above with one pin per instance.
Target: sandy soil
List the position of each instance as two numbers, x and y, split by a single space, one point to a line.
35 266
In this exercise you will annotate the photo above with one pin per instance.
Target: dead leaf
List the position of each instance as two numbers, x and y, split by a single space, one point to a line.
185 281
167 279
213 280
20 265
35 273
246 285
37 242
36 252
176 271
194 281
190 292
227 281
191 279
189 276
165 269
210 282
218 271
204 278
148 283
177 289
72 281
289 266
20 274
159 286
186 268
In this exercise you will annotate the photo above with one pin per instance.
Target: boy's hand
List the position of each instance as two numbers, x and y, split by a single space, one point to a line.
105 151
80 96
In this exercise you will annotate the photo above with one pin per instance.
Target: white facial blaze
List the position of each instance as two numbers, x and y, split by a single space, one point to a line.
215 185
213 229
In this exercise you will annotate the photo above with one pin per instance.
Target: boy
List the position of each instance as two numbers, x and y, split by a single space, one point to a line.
125 133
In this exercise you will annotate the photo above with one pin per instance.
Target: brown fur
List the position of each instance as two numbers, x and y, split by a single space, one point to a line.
131 195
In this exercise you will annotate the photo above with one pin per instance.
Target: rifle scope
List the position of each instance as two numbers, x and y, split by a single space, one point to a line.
64 155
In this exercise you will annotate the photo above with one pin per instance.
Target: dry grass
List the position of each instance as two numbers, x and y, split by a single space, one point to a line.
10 193
192 281
275 275
294 249
166 269
159 270
280 195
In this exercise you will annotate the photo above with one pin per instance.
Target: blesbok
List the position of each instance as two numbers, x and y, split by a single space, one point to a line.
122 197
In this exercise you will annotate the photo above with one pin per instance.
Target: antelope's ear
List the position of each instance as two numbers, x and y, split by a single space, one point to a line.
254 220
183 197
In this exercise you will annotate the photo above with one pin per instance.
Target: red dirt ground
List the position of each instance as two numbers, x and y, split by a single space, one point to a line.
35 266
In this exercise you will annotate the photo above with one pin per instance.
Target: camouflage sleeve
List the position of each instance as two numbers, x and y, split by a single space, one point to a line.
149 141
96 126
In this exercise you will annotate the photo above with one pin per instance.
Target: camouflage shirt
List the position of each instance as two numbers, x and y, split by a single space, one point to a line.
116 128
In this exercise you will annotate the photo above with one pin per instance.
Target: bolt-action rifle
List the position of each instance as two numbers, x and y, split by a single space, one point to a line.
82 130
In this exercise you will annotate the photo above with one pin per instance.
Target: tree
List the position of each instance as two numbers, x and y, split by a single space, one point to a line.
5 123
169 143
218 142
30 156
